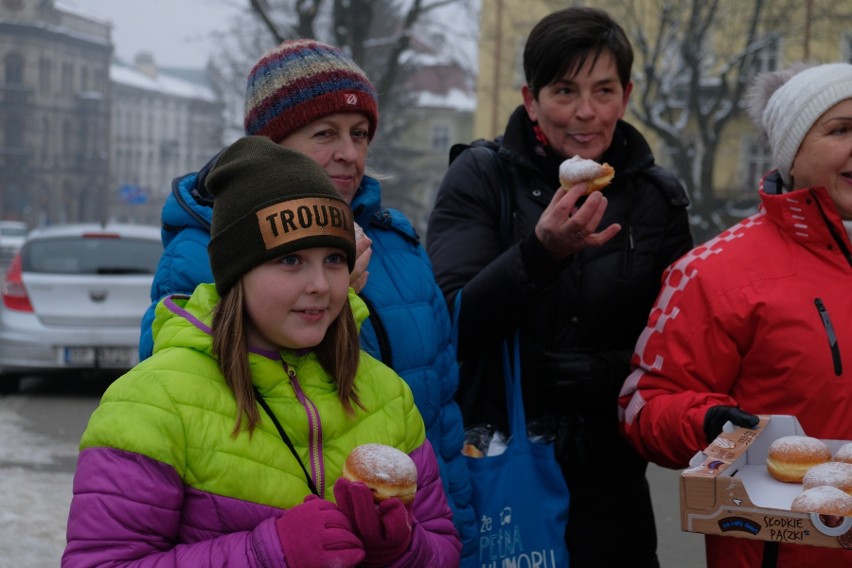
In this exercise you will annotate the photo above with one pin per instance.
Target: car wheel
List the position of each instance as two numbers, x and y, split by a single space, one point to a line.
9 384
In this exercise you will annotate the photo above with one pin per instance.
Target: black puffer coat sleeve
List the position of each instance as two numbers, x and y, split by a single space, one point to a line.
463 241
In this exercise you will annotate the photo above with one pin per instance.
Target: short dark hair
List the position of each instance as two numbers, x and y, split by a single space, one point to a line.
561 42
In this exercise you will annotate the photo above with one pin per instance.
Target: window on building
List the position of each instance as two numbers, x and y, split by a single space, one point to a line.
67 138
13 132
758 161
767 57
44 68
84 146
519 78
46 137
67 79
846 48
14 69
441 137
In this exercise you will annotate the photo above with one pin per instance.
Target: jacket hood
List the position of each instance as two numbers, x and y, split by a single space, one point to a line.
182 211
367 201
189 205
786 210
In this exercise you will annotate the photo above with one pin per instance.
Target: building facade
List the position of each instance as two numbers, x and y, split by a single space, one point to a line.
54 113
86 138
440 115
165 123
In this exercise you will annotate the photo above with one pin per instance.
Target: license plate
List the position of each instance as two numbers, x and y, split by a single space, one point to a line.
100 356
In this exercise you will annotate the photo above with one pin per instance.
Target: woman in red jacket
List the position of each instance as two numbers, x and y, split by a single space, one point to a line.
759 319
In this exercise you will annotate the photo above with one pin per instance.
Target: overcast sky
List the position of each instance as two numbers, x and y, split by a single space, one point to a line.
179 33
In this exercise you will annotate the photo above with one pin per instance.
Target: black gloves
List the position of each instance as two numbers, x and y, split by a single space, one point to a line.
718 415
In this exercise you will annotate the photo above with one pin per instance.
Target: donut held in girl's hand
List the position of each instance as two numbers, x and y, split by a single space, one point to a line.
387 471
577 170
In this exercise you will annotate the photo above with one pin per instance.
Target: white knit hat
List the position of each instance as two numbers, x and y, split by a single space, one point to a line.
797 105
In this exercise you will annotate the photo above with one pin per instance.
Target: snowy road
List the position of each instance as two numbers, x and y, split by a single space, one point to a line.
39 431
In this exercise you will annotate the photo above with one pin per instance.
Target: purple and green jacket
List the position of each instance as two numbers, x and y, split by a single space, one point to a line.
161 480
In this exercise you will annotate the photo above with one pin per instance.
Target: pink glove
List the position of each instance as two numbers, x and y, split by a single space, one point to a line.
316 533
385 529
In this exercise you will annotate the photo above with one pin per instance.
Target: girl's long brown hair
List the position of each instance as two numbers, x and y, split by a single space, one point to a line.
338 353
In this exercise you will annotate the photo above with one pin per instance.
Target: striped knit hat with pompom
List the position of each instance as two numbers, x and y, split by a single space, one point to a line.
301 81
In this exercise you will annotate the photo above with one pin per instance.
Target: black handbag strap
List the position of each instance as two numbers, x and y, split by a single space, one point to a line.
286 439
514 392
504 227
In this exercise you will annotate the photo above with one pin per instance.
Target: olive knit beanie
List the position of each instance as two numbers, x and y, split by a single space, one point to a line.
271 201
300 81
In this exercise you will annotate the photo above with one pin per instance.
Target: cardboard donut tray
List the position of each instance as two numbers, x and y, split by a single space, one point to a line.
726 490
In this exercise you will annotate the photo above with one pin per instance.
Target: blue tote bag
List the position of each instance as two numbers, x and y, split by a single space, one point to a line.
520 496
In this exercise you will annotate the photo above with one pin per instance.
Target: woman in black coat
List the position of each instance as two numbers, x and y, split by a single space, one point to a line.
576 274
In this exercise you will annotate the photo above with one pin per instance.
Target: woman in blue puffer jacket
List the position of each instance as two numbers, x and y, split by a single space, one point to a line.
409 325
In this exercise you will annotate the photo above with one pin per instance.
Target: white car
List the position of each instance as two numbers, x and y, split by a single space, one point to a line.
73 299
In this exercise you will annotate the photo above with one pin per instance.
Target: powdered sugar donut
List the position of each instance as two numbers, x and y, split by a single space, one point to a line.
576 169
844 454
790 457
835 474
825 500
387 471
359 232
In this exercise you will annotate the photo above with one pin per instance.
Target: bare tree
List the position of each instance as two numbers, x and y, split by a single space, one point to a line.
383 37
377 34
695 59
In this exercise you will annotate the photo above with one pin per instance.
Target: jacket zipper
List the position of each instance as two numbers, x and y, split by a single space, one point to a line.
628 254
832 338
314 431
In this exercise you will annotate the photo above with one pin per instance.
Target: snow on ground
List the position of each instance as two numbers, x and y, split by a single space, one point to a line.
35 493
33 513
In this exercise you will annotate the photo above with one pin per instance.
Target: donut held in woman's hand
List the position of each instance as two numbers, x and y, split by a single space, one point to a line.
576 170
790 457
387 471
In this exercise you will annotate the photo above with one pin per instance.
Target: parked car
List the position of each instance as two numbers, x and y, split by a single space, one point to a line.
73 299
12 235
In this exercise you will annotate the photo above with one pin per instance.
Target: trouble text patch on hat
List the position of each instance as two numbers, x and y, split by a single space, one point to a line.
294 219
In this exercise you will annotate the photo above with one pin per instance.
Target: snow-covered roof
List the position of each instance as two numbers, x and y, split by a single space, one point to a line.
73 7
162 83
453 99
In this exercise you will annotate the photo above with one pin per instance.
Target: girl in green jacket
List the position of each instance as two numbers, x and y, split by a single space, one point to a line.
226 446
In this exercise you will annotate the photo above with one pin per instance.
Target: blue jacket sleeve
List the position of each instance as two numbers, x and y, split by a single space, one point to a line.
183 266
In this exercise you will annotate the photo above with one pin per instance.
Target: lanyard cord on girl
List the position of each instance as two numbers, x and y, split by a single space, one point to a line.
286 439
